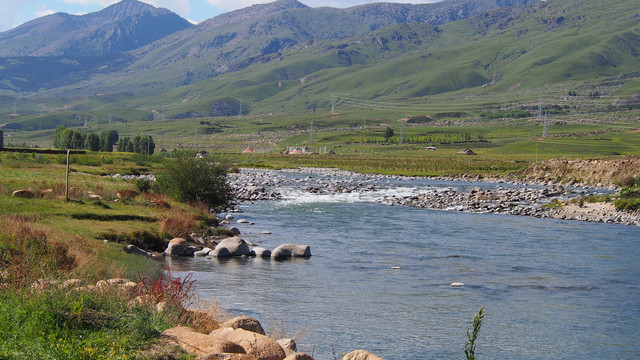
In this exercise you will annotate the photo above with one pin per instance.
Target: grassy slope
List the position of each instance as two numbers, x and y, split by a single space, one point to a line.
47 238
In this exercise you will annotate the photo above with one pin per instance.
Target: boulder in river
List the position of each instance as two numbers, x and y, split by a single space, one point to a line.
235 246
287 251
177 246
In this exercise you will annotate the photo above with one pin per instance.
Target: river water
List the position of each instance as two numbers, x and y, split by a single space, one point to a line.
379 279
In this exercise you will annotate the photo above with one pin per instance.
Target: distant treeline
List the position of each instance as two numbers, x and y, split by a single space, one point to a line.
104 141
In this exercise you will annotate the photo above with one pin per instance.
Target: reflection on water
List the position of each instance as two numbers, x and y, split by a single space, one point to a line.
551 289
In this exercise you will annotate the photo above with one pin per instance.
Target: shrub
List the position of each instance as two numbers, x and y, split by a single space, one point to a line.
144 185
189 180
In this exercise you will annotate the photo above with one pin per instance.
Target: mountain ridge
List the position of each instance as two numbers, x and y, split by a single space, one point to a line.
120 27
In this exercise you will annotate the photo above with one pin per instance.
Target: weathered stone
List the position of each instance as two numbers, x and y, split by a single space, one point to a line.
22 193
235 245
177 246
200 344
244 322
287 251
255 344
360 355
219 253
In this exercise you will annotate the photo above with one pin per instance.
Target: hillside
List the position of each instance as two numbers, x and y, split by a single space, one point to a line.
226 43
287 57
561 46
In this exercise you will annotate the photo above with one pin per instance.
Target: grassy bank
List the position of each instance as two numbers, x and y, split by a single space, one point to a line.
55 256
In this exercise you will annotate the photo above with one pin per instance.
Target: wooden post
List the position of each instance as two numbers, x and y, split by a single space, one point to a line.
66 181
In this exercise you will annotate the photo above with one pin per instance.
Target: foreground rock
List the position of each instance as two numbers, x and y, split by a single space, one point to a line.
361 355
245 323
200 344
254 344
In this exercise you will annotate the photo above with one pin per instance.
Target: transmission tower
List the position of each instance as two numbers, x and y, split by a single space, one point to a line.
333 104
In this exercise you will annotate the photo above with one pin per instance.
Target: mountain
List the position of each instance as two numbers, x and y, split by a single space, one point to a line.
285 56
552 46
236 40
121 27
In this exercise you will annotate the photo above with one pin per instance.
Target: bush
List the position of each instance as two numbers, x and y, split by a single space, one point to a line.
628 198
190 180
144 185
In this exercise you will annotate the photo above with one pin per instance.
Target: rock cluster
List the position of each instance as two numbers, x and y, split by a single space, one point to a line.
242 338
511 201
236 247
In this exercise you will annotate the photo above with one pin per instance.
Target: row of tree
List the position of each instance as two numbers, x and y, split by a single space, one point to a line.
139 144
104 141
70 139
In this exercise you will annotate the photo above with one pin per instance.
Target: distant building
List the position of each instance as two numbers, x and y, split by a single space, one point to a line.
431 148
248 150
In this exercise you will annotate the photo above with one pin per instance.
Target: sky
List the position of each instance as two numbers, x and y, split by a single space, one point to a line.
18 12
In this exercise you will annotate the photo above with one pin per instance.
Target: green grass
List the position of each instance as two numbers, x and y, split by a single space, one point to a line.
76 325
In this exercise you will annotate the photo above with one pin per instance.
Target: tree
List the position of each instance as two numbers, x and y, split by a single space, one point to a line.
388 133
92 142
188 179
77 140
108 138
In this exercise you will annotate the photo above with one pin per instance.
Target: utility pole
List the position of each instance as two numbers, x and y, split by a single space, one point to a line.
311 131
333 104
195 134
545 131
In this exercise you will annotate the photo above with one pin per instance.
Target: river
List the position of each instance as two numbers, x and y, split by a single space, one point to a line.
379 279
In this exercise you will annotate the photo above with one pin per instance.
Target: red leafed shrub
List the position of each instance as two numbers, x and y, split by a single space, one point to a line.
173 291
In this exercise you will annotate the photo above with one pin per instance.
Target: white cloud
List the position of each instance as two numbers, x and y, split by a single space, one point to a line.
44 12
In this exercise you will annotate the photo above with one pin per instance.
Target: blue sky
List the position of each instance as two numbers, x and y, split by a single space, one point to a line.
17 12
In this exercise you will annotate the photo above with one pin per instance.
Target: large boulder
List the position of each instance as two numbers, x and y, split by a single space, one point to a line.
287 251
234 245
200 344
361 355
177 246
244 322
260 346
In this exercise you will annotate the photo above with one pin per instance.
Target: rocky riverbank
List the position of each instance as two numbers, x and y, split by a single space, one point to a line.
497 196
